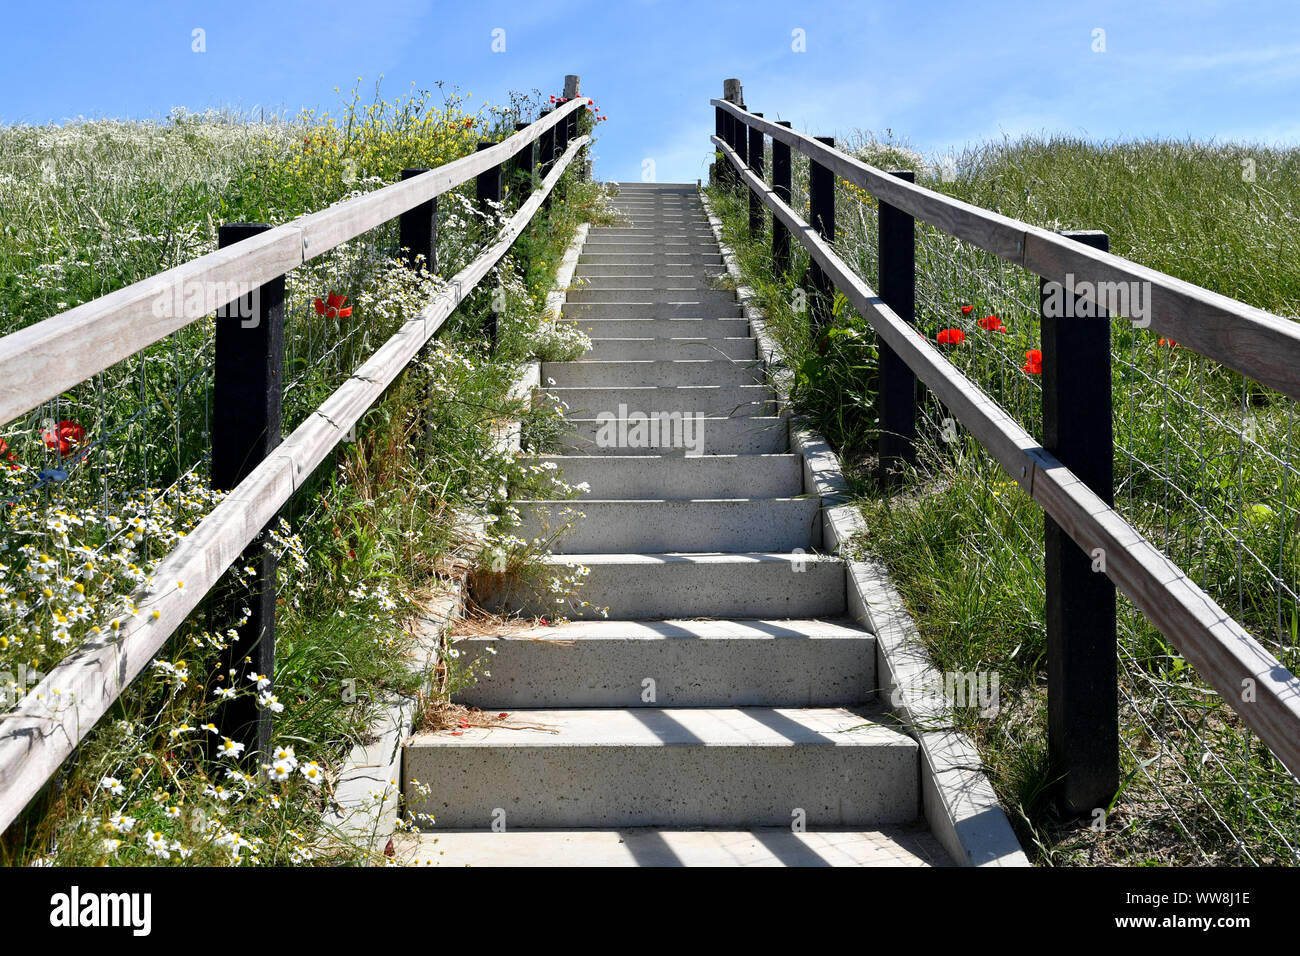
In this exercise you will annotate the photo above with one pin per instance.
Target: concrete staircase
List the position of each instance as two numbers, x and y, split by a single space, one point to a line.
724 713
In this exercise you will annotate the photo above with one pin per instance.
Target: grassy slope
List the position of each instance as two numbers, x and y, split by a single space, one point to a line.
372 540
965 545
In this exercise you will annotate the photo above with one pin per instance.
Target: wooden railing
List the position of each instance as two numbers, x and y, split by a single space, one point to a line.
1068 474
45 359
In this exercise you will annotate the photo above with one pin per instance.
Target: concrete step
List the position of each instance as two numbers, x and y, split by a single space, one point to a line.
616 349
642 586
612 283
633 232
831 767
739 663
652 258
665 328
701 306
712 400
658 846
647 268
678 372
703 476
659 295
656 246
657 527
668 433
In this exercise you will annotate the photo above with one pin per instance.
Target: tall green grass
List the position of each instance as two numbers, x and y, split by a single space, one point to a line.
1204 467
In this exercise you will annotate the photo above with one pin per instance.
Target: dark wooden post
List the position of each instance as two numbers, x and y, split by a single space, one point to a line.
248 379
756 167
1082 693
488 190
718 172
821 200
519 179
897 286
545 155
781 186
571 92
417 230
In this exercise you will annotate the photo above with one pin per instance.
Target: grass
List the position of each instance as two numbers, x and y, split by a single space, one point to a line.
377 535
1204 467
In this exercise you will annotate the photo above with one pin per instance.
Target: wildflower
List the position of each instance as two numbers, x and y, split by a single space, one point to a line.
113 786
1033 362
332 307
312 772
951 337
157 844
4 450
967 309
1168 343
991 323
230 748
64 436
119 823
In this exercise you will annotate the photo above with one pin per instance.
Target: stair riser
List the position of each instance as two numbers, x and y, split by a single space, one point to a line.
593 786
614 374
614 477
611 349
651 258
656 527
665 328
687 672
644 310
732 400
658 270
673 232
667 587
665 283
658 296
667 434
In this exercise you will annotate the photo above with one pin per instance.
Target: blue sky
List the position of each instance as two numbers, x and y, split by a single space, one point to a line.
939 74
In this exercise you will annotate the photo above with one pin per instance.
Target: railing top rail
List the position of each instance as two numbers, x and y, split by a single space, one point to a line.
39 734
47 358
1258 344
1222 651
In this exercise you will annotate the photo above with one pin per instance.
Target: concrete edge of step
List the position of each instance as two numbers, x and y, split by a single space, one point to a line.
958 801
557 297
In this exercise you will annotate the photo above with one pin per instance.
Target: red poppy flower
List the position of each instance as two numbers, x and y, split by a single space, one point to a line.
951 337
1033 362
464 723
502 716
458 733
604 117
992 323
64 436
1170 343
552 97
333 308
469 122
967 309
4 450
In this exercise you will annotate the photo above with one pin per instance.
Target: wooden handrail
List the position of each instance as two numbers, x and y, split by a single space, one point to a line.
1222 651
45 359
48 723
1258 344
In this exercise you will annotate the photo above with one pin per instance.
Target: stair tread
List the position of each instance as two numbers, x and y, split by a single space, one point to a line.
676 628
662 846
838 727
